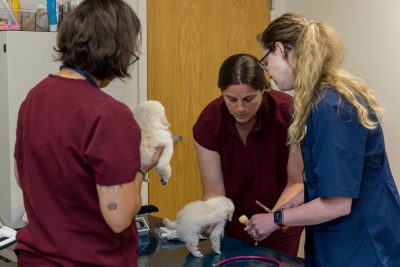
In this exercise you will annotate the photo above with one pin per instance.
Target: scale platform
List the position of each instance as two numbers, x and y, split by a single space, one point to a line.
7 237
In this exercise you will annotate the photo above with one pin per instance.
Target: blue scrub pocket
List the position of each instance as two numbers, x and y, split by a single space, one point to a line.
345 248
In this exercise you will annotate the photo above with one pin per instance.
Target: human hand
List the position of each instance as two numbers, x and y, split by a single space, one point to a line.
261 226
244 220
154 160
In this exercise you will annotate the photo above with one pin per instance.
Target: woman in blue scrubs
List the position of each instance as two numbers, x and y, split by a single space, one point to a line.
351 206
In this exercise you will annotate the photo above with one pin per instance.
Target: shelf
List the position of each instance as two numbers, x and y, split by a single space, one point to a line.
23 20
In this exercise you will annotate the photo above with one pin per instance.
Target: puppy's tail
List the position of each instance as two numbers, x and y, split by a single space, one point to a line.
170 225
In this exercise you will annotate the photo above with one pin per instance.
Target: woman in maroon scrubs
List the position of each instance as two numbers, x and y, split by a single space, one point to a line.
242 152
77 149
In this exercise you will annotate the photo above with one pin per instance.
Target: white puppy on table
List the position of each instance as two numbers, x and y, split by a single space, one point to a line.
195 216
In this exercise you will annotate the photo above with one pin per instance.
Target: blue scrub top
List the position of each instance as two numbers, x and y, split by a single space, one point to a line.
344 159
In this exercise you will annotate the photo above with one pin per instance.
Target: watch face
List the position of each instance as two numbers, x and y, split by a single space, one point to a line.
278 216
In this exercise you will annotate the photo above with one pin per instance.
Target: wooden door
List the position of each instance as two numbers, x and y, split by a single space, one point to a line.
187 43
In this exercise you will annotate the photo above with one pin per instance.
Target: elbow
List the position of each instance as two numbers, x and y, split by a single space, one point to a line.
120 222
346 210
118 226
136 208
338 207
117 229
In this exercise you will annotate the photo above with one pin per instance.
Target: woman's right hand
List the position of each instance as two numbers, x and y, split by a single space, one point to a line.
154 160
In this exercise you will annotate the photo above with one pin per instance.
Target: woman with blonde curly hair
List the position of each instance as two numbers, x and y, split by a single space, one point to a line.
351 204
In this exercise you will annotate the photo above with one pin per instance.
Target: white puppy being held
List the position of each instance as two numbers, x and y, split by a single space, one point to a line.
154 125
197 215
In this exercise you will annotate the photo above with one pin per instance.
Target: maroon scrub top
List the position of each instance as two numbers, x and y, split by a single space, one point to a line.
255 171
70 137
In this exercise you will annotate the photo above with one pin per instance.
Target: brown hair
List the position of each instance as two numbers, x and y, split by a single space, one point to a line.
318 54
101 37
242 69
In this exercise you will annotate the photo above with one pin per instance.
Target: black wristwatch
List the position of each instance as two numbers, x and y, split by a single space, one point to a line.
278 218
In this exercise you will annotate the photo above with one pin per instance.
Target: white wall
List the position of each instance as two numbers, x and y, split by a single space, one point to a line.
19 73
371 33
136 87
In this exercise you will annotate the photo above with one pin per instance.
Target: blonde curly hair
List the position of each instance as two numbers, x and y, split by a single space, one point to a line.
318 55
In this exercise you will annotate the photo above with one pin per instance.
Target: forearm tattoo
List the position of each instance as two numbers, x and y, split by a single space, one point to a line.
112 206
111 193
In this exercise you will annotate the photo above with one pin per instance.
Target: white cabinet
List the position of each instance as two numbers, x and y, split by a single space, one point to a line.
25 59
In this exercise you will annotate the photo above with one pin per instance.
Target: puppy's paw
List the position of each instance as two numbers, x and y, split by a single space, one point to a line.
164 181
164 173
196 254
216 248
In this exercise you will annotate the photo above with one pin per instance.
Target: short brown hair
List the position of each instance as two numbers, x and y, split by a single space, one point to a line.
101 37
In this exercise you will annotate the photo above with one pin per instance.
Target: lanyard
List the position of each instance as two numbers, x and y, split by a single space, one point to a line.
84 74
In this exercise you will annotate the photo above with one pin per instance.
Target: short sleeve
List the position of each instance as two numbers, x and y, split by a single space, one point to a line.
339 149
207 129
283 103
111 144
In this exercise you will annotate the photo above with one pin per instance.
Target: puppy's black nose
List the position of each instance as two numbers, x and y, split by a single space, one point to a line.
163 182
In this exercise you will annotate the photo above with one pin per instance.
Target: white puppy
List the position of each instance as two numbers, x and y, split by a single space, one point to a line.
154 126
197 215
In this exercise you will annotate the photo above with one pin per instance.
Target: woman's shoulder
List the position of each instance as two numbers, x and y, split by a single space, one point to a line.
280 99
107 103
214 105
212 109
327 96
278 107
329 103
107 108
207 129
330 98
